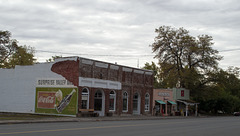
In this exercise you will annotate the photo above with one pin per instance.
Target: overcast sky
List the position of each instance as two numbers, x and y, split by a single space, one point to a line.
118 30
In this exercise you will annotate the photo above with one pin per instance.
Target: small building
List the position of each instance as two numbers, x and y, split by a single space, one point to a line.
163 102
175 101
71 85
185 106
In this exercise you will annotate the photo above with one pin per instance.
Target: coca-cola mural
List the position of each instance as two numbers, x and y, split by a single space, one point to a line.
56 100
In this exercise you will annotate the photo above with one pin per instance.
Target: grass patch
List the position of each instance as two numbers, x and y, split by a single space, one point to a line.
23 116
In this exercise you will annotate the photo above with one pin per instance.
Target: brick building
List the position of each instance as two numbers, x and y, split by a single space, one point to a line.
109 88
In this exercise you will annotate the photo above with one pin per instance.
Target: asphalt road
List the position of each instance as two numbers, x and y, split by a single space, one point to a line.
214 126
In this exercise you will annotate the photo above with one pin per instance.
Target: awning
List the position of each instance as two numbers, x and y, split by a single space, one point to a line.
188 102
161 102
171 102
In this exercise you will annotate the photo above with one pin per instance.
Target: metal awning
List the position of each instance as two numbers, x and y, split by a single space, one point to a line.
171 102
187 102
160 102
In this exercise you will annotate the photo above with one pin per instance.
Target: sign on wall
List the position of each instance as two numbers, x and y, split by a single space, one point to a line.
164 94
182 93
53 82
56 100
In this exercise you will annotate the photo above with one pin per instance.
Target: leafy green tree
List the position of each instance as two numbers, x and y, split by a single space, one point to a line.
8 46
228 81
184 58
156 76
11 54
222 93
193 63
23 56
223 101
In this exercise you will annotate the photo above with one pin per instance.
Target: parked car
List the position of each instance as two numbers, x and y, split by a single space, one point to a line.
236 113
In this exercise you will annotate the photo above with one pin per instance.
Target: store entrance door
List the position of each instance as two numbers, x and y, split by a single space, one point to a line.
136 104
99 102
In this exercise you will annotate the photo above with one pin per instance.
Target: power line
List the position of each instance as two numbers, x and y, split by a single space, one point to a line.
115 55
97 55
237 49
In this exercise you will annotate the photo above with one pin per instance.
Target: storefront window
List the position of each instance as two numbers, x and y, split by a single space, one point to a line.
125 102
112 98
147 102
85 98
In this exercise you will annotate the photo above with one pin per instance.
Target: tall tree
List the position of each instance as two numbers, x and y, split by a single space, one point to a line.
156 76
8 46
228 80
11 54
222 94
183 57
23 56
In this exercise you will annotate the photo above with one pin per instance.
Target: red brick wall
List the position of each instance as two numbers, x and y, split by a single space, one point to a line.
86 70
113 75
148 80
127 77
138 78
100 73
68 69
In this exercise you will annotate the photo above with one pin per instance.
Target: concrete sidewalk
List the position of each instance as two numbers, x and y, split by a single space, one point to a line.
87 119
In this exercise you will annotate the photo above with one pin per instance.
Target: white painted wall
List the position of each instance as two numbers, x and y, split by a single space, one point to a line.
18 86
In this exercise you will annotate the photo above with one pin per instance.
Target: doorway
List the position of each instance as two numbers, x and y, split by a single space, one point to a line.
136 104
99 102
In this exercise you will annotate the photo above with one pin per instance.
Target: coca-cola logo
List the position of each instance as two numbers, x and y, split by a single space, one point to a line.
46 100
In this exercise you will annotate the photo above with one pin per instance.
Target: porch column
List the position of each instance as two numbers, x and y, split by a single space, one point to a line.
186 110
196 110
161 109
166 108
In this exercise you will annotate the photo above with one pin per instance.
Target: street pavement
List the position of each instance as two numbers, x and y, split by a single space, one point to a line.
137 126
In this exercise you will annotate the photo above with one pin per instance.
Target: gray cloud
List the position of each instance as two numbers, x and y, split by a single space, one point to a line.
118 27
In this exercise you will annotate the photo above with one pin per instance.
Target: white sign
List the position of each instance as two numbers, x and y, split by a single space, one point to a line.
53 82
164 94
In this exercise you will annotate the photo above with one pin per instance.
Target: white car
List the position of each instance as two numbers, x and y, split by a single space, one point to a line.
236 113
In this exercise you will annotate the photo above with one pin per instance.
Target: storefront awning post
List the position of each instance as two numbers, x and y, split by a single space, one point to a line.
196 110
186 110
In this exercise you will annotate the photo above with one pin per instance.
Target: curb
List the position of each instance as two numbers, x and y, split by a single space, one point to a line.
33 121
90 119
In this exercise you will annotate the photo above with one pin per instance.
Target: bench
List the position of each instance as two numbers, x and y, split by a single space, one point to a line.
87 113
86 110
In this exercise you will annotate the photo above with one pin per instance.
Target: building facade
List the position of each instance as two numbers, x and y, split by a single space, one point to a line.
163 102
106 88
175 101
185 106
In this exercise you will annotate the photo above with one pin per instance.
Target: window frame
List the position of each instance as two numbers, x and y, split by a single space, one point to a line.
125 97
84 93
112 96
147 105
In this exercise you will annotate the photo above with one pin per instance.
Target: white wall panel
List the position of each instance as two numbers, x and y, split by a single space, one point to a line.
17 86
